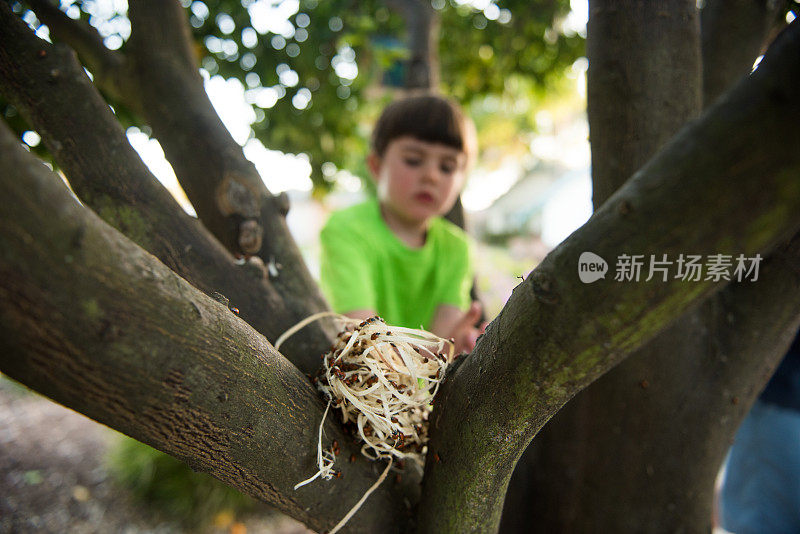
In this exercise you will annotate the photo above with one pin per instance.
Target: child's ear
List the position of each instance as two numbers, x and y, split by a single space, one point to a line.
374 165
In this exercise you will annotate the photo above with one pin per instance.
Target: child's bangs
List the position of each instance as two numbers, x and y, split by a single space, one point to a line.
439 125
427 118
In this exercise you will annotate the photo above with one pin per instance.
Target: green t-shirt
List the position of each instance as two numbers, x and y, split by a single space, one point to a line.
365 266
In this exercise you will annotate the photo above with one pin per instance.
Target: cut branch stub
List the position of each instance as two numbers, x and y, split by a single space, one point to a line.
235 196
223 186
90 146
238 200
250 236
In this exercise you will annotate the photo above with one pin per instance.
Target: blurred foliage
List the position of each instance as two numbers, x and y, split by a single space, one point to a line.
171 488
324 39
296 60
315 71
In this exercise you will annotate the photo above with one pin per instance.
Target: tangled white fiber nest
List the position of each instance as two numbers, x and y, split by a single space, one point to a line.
383 379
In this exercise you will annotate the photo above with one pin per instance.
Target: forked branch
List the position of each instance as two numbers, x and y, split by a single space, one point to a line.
96 323
726 184
90 146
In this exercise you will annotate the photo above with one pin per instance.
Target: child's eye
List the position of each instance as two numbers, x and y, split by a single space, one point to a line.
447 168
413 162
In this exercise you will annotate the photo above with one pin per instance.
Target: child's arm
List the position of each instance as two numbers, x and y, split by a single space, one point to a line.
450 322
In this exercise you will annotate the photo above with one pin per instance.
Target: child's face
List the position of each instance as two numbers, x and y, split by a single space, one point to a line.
418 180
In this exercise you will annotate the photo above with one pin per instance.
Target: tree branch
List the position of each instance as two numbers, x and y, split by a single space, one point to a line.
108 67
90 146
732 173
693 363
682 396
224 187
94 322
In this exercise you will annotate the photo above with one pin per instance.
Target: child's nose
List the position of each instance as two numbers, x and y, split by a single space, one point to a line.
431 172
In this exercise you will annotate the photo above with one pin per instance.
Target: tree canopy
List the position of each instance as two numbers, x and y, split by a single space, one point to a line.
316 73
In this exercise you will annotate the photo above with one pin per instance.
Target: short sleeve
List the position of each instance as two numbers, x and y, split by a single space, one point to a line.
459 275
345 272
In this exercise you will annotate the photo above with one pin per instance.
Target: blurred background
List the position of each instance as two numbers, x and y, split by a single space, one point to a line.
299 83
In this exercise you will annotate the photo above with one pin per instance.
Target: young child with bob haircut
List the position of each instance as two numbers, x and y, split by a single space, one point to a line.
396 256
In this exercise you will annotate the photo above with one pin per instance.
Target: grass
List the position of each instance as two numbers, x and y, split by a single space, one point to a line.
171 488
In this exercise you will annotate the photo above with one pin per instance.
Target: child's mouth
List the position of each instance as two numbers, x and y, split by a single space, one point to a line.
424 198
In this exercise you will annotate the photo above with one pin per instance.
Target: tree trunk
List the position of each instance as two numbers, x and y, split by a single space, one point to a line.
422 39
643 83
640 432
498 397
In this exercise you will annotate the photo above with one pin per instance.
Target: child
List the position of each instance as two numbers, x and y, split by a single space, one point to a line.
396 257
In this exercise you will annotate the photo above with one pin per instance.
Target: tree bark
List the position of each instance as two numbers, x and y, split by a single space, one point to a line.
90 146
556 334
99 325
224 187
553 338
162 81
639 450
109 67
643 83
663 478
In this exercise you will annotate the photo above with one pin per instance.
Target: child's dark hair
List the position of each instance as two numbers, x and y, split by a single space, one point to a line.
428 118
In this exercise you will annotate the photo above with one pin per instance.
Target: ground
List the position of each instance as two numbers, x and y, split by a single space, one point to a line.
54 478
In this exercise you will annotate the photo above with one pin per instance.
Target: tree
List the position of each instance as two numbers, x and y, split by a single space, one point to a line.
105 304
633 430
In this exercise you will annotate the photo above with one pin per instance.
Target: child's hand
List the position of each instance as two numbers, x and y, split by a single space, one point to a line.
465 333
451 322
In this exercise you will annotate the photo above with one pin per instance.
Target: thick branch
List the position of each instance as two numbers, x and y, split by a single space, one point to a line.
734 33
224 187
107 174
108 67
96 323
702 360
681 397
732 174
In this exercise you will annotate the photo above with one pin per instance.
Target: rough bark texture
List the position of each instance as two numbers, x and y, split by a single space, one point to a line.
638 451
734 33
160 78
556 334
99 325
108 67
223 186
682 395
129 343
90 146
